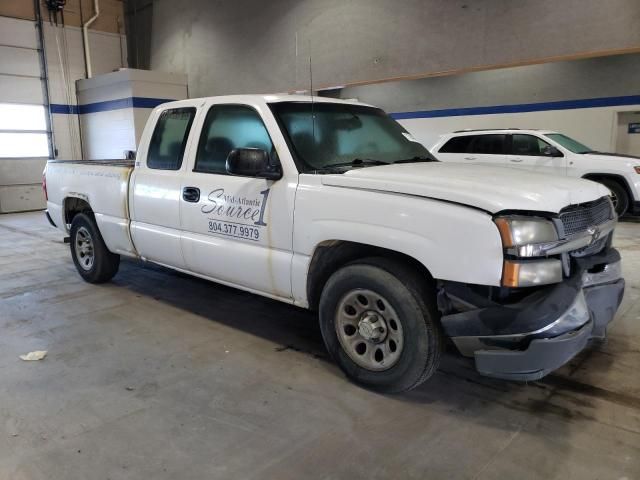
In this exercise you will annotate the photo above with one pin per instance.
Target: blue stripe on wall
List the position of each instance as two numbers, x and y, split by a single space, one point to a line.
522 107
146 102
131 102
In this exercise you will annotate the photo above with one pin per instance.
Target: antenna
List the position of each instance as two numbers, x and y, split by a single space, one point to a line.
313 117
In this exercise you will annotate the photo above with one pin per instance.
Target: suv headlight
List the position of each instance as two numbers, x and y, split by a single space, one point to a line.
526 237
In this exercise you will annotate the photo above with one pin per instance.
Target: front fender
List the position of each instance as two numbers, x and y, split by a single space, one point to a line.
452 241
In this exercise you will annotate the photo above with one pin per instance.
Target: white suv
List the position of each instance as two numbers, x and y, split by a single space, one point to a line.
546 152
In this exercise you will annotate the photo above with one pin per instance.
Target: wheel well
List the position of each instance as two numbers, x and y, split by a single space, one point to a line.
331 255
608 176
74 206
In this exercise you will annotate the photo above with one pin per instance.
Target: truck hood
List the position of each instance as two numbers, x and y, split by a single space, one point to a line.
492 189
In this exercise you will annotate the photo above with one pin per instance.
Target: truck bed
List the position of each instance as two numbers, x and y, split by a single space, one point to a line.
102 184
102 163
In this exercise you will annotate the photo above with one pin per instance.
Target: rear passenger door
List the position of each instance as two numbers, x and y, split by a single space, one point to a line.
532 153
156 186
456 149
237 230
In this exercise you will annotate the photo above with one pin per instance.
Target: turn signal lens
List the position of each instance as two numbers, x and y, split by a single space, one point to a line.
510 274
637 169
505 232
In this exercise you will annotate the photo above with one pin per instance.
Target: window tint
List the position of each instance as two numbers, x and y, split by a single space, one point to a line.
225 128
457 144
529 145
488 144
169 139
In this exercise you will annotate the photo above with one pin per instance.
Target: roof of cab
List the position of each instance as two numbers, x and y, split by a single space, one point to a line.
276 98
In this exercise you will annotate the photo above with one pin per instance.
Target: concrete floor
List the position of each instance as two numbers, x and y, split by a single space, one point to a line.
161 376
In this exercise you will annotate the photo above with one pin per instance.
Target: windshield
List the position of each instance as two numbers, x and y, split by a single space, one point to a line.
345 136
569 143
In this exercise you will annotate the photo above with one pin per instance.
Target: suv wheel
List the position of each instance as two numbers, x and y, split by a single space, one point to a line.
619 195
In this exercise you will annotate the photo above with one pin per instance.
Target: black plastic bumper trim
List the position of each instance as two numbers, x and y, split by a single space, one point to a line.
53 224
533 313
542 357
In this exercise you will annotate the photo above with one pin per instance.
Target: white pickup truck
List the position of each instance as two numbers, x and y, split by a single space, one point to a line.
332 205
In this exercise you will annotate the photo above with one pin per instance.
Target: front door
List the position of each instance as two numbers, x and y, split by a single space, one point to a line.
532 153
236 230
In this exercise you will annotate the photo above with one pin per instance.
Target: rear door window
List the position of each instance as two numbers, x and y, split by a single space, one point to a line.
169 139
491 144
457 144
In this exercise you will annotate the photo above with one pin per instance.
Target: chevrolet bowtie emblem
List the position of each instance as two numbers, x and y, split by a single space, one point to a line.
595 234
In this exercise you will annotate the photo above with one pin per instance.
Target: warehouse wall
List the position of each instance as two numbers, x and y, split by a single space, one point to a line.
65 61
256 46
110 19
580 98
20 177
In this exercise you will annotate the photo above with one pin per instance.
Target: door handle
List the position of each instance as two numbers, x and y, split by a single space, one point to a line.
515 160
469 158
191 194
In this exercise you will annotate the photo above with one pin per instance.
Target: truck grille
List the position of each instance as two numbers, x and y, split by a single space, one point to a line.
577 218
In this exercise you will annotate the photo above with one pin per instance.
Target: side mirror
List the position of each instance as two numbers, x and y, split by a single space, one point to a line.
252 162
553 152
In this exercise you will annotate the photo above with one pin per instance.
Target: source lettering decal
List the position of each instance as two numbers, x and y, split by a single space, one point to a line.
234 215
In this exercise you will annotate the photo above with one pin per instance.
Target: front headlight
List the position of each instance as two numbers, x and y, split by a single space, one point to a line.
531 273
526 237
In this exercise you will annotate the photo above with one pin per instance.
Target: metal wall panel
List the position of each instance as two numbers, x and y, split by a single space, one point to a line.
19 61
18 33
21 90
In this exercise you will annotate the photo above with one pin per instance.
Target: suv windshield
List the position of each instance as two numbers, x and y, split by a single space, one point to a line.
335 136
569 143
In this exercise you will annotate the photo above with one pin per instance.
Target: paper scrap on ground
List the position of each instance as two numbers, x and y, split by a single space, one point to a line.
34 356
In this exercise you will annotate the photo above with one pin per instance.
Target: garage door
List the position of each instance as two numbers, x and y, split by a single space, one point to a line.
24 136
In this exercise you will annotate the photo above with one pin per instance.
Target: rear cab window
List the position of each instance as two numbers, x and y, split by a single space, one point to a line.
169 139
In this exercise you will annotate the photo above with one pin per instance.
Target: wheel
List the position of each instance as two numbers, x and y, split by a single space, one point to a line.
619 195
380 325
94 262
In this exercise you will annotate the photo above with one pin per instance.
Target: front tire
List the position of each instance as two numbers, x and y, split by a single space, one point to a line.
619 196
380 325
93 260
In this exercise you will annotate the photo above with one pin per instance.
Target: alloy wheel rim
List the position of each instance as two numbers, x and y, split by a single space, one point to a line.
85 253
369 330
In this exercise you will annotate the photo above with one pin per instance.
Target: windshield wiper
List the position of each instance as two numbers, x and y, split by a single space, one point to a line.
416 159
356 162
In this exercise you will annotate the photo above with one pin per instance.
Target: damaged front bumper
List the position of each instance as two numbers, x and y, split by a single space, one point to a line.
528 339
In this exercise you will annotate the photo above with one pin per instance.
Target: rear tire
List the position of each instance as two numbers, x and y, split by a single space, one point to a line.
380 325
94 262
619 195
